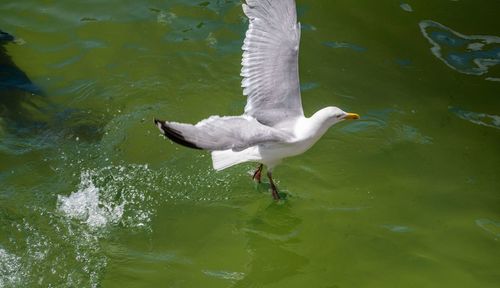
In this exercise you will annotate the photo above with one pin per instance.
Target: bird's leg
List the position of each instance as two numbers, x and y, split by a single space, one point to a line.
276 196
257 174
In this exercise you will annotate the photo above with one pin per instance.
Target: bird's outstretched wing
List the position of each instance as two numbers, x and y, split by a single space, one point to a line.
221 133
270 61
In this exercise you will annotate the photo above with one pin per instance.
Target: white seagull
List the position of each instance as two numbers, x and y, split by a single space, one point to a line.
273 125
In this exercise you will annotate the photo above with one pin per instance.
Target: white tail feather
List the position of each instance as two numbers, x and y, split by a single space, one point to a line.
227 158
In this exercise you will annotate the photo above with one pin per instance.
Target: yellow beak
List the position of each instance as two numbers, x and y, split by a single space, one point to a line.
351 116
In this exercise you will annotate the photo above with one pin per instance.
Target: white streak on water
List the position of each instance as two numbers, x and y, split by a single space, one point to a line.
476 46
398 228
483 119
406 7
467 54
226 275
489 226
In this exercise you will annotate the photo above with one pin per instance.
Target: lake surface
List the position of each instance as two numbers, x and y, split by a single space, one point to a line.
91 195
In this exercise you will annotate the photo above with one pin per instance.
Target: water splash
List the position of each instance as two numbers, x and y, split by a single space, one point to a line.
11 270
112 195
467 54
86 205
63 247
50 253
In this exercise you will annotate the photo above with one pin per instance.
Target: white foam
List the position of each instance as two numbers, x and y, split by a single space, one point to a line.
11 274
85 205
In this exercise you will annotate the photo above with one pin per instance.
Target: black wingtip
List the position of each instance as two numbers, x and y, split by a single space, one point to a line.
157 121
174 134
159 124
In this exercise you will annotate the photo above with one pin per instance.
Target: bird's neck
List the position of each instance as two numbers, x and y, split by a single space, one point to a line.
319 123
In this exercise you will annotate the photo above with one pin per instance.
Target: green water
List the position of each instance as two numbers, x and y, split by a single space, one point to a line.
408 196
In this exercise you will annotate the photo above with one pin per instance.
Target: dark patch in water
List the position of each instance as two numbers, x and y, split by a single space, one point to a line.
27 116
403 62
308 86
19 97
88 19
11 77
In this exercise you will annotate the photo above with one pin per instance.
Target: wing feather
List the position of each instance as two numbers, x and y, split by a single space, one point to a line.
221 133
270 61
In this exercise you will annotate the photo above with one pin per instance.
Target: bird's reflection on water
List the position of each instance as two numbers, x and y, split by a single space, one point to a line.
269 232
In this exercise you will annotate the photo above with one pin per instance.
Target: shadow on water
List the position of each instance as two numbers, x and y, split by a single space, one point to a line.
18 95
28 120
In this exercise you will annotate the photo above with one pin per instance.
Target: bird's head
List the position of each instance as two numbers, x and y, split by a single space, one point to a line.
328 116
334 115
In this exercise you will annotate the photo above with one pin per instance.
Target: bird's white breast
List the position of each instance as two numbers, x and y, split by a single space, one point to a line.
305 132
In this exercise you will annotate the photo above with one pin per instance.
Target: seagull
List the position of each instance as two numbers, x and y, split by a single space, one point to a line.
273 125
